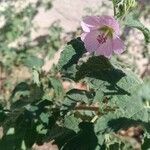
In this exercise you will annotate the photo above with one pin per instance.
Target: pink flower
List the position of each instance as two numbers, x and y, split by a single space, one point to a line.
101 35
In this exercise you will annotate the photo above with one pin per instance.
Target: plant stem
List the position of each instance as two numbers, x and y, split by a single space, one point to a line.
84 107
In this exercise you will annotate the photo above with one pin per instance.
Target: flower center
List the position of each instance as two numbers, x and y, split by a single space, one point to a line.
101 38
106 32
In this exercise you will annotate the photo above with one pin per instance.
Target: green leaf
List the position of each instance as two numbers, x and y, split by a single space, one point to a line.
41 129
146 144
132 21
36 77
93 65
101 127
61 135
44 117
125 105
23 146
103 77
72 123
117 85
143 92
31 108
135 106
58 88
84 140
141 99
99 96
10 131
33 62
70 56
73 96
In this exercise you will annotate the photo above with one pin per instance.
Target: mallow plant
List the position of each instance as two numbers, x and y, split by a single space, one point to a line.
103 106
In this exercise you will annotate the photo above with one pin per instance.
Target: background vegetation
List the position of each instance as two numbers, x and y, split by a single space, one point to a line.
82 103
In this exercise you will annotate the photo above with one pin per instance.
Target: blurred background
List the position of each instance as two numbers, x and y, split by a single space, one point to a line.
33 33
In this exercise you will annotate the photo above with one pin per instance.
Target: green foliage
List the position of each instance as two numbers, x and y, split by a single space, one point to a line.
92 117
125 10
73 97
71 53
107 83
123 7
132 21
70 57
33 62
36 77
18 26
72 123
69 117
58 88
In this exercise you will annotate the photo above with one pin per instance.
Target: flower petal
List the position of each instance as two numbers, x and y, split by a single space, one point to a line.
89 23
83 35
105 49
110 22
118 45
90 41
